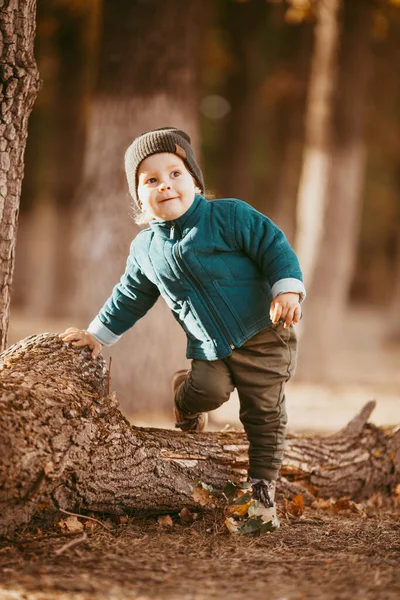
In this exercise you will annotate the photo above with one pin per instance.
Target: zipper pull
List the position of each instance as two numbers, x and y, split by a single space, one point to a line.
172 232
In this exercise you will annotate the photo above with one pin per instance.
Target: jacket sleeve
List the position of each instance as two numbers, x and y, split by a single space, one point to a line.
269 248
130 300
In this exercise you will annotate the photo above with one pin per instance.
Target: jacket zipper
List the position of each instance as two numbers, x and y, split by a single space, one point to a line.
192 278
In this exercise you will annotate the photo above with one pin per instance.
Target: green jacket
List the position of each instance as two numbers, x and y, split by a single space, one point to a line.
217 267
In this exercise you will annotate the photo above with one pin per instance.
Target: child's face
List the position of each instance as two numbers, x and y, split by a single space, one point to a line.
166 189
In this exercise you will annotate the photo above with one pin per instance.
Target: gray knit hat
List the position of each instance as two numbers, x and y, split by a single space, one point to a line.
167 139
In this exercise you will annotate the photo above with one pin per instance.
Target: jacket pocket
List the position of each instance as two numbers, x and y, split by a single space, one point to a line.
191 323
238 321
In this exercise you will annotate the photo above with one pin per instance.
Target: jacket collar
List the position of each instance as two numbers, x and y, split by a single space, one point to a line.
184 223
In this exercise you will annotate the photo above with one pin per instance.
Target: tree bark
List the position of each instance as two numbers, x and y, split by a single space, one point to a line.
333 271
314 177
65 444
145 81
19 86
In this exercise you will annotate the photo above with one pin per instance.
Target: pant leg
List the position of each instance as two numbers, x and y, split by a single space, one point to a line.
260 370
207 385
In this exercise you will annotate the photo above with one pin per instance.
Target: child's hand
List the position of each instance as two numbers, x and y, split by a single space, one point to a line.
287 307
83 338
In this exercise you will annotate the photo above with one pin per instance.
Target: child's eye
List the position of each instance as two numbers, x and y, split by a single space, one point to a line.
176 173
151 180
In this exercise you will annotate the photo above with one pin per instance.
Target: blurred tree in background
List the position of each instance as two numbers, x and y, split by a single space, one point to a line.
247 79
147 77
65 47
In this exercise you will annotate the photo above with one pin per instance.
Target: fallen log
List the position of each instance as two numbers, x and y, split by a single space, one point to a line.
65 444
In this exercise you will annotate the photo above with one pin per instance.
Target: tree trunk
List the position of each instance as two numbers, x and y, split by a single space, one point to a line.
145 81
244 27
54 156
77 43
329 289
286 122
19 86
64 444
314 178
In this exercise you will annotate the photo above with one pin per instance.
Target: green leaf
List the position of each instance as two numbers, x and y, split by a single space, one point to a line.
251 526
230 490
245 499
253 508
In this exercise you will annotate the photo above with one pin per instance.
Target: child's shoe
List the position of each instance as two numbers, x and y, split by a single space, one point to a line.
264 492
192 423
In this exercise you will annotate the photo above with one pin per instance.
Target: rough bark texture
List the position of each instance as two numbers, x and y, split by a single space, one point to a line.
65 444
144 82
19 81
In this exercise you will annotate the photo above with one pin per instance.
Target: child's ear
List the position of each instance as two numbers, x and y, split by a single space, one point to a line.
197 189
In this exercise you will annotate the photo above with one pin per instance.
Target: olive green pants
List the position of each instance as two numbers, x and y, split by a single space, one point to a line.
259 371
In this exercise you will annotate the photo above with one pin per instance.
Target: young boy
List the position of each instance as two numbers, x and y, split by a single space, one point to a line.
232 282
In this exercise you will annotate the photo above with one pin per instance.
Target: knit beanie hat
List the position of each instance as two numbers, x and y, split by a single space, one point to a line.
166 139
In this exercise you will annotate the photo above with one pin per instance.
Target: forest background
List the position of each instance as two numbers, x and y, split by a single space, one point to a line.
292 106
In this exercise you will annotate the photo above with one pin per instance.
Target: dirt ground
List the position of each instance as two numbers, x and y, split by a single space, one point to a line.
353 554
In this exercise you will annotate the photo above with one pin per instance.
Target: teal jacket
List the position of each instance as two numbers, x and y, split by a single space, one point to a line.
218 266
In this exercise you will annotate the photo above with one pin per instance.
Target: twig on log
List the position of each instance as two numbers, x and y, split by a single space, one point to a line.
70 544
73 514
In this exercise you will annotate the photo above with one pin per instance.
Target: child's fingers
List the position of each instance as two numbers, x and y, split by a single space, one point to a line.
67 333
289 317
297 314
71 337
276 313
83 341
96 352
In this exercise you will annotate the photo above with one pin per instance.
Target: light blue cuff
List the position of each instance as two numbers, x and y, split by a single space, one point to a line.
102 333
289 284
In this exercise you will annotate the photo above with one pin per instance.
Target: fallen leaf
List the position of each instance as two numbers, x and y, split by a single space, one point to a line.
343 504
202 495
231 525
70 525
336 505
239 510
90 525
186 516
323 503
165 521
296 506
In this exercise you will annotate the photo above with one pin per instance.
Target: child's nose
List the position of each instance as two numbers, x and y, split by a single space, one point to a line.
164 186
